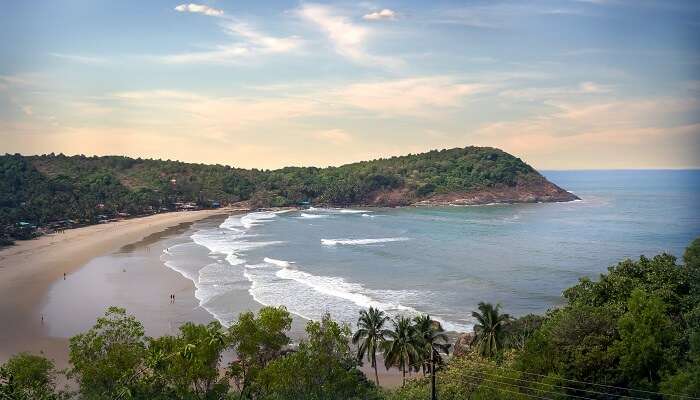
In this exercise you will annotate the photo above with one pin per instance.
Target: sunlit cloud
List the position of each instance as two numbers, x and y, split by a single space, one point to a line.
652 128
335 136
385 14
251 43
199 9
349 39
408 96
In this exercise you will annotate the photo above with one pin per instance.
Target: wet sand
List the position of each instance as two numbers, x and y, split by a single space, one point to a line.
28 269
116 264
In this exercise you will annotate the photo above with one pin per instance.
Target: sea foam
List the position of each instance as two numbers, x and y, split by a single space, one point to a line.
352 242
312 216
280 282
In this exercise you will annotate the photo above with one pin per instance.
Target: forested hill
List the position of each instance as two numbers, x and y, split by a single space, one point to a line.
41 189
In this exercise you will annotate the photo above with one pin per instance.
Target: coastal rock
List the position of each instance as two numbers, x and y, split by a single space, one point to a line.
529 189
462 344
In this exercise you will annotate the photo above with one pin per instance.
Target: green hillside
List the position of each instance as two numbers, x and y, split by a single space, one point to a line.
40 189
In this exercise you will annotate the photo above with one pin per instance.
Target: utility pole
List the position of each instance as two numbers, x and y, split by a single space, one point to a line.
433 395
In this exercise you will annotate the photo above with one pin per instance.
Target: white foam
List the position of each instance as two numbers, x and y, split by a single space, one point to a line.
257 218
351 211
275 282
335 293
279 263
312 216
351 242
337 210
230 240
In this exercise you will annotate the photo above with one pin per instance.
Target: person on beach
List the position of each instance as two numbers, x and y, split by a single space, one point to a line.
64 276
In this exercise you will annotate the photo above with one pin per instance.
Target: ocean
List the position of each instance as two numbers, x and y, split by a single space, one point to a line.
438 260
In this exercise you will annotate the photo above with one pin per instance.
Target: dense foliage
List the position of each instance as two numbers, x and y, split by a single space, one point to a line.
47 188
633 333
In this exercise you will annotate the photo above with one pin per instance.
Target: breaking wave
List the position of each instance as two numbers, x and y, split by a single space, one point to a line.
352 242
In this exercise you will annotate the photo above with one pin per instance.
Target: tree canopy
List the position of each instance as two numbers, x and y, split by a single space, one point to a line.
47 188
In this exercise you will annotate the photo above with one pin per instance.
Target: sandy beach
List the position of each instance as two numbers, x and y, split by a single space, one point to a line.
28 269
109 264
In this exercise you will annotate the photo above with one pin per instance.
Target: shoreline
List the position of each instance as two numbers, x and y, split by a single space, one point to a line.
30 271
29 268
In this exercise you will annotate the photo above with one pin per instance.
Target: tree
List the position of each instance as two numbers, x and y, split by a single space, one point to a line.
107 356
687 380
28 377
691 259
187 365
401 346
433 342
322 367
370 334
645 337
489 329
257 341
432 339
518 331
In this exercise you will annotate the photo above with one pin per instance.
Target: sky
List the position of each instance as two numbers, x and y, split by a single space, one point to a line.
568 84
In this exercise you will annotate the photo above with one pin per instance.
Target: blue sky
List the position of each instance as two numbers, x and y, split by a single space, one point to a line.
563 84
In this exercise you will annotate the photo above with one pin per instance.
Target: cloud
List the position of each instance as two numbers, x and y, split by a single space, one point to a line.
407 96
592 87
385 14
556 93
212 116
253 43
80 59
335 136
613 134
348 38
264 43
199 9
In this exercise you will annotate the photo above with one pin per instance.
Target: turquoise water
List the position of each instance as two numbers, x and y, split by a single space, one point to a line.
445 260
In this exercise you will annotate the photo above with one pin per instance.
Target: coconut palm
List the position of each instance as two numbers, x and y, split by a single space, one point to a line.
370 335
433 342
432 338
401 348
488 331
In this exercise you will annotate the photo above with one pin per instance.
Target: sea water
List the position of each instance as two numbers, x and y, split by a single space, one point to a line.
441 260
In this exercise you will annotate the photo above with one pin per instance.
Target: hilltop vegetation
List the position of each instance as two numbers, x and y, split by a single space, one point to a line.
632 334
46 188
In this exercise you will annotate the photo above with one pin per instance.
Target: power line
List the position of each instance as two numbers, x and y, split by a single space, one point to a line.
529 388
563 387
510 391
591 383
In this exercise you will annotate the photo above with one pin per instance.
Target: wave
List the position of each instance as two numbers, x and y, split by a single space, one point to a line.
351 242
335 292
351 211
337 210
312 216
230 241
257 218
275 281
279 263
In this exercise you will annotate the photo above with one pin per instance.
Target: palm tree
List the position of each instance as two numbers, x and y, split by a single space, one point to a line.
433 341
401 346
488 331
432 338
370 335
